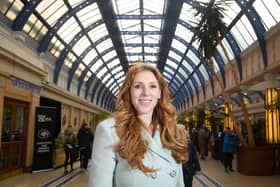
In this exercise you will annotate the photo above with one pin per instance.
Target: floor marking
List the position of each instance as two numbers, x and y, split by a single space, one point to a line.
212 180
55 180
202 179
67 180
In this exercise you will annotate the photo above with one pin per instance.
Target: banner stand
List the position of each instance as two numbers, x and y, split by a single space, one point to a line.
44 138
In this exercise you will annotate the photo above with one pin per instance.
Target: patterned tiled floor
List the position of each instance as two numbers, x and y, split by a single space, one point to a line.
212 175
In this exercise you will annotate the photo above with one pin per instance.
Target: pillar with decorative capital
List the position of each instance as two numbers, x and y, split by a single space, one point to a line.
272 99
227 120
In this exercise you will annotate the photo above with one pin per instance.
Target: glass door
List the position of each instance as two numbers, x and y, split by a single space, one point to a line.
14 128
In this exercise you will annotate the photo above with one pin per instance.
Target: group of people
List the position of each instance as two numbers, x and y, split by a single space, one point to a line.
77 144
221 145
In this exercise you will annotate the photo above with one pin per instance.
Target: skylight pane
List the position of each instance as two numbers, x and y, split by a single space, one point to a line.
151 49
178 45
155 6
89 15
183 32
244 32
75 3
97 65
186 13
109 82
171 63
204 72
81 45
152 25
68 30
98 32
89 56
106 77
174 55
187 65
109 55
118 69
102 72
134 49
52 10
151 39
193 57
270 12
104 45
184 73
125 6
114 63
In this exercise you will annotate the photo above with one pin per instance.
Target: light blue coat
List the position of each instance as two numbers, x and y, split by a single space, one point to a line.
105 161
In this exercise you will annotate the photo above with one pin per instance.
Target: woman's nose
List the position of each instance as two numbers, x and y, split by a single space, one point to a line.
145 90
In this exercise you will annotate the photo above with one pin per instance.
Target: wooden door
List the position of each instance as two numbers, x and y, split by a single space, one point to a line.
14 130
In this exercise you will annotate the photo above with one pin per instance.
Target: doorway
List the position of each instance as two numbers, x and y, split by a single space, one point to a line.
14 130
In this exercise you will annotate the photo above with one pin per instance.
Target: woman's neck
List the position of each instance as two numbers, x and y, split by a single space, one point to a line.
147 121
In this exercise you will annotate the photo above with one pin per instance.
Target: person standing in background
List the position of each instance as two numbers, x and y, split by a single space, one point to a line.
192 165
229 146
70 141
85 140
203 142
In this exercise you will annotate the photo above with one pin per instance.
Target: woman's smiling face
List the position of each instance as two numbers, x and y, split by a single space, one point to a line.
145 92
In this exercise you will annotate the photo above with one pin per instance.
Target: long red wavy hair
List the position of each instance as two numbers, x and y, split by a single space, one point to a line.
132 146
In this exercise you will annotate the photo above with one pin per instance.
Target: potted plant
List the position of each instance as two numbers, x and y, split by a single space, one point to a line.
59 155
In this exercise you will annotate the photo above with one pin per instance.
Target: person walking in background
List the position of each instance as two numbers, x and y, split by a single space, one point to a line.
203 142
141 145
194 139
70 142
85 140
229 145
191 166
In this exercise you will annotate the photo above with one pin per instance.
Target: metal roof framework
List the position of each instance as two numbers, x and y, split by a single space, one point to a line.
96 40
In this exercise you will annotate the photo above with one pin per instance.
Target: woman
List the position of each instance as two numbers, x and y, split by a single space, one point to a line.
229 148
141 145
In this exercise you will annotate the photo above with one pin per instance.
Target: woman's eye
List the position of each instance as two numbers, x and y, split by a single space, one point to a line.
137 86
153 86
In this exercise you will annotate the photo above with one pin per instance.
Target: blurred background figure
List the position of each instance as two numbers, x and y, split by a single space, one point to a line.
192 165
203 142
70 141
85 139
229 145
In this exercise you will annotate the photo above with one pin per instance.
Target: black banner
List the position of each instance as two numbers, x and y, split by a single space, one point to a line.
44 138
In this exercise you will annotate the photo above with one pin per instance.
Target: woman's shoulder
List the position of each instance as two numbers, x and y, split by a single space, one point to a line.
106 128
107 124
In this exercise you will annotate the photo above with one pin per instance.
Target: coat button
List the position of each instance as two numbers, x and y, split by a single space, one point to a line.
153 175
172 173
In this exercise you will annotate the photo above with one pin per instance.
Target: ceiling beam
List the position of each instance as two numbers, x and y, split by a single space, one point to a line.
107 12
172 11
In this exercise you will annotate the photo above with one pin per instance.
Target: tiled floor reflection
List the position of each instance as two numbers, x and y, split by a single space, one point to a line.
212 175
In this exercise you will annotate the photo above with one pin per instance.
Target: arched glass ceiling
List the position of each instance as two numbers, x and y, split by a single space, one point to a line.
94 41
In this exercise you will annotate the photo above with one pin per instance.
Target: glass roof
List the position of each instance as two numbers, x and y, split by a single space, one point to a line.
98 39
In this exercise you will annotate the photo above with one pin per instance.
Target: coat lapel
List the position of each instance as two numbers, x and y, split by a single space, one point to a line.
155 146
